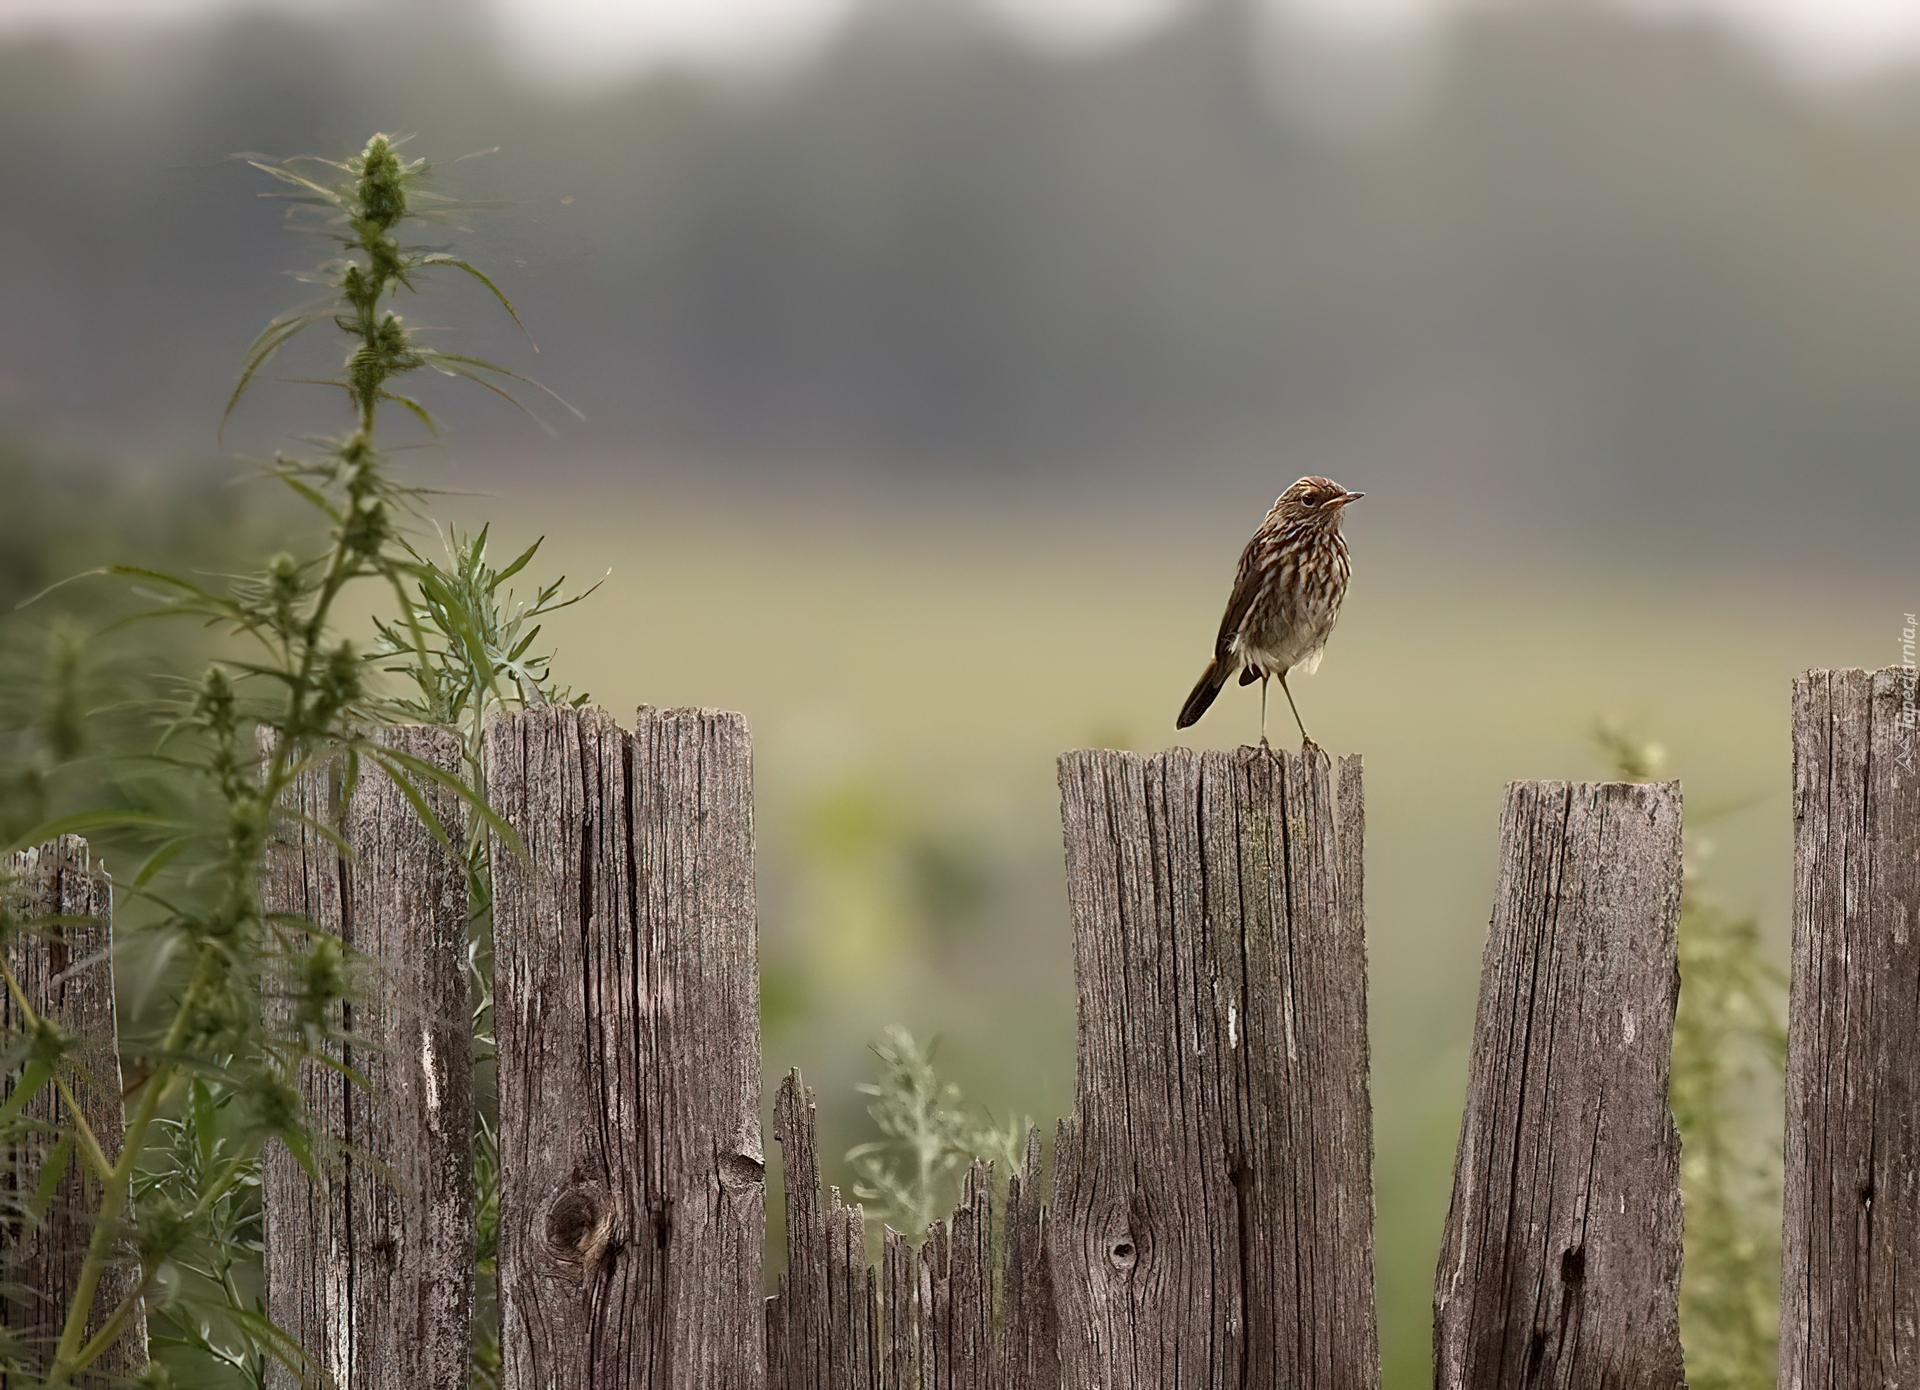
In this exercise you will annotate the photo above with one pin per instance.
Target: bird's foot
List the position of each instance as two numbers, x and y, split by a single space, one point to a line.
1307 745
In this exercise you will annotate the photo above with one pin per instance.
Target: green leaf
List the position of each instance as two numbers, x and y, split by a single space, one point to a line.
160 858
86 822
58 584
395 760
309 493
467 366
171 580
329 196
276 1341
206 1126
421 809
419 411
52 1172
442 258
33 1077
273 337
520 562
325 832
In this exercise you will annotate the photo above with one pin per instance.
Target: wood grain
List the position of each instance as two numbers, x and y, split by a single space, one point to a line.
828 1297
1027 1355
1212 1216
372 1271
1560 1262
1849 1296
66 971
899 1325
627 1011
957 1272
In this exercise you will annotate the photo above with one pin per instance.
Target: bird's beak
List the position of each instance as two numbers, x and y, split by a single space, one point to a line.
1351 497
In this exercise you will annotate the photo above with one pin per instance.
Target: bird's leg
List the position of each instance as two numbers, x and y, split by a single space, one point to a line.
1263 711
1306 739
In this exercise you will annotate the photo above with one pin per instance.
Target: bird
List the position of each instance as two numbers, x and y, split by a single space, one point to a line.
1286 595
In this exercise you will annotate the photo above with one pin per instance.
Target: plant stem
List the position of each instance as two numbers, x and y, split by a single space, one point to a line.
71 1355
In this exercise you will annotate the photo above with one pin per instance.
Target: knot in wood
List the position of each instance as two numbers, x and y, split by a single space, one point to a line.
1573 1266
582 1226
1123 1250
740 1171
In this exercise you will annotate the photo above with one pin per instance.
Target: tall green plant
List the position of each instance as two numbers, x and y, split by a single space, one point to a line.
1729 1045
291 698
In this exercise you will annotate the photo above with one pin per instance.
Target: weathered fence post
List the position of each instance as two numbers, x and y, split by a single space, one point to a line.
1849 1287
1212 1216
1560 1263
65 969
626 1000
372 1272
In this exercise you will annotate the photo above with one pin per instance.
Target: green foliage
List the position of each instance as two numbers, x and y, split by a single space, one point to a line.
257 996
465 644
217 1255
911 1176
1729 1046
485 1367
478 652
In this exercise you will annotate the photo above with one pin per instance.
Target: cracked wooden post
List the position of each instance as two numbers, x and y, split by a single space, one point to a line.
1849 1301
926 1319
1212 1216
821 1335
1027 1355
65 968
372 1273
1560 1262
626 1000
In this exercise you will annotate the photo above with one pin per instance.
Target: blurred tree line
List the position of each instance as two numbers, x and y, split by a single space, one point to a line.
1571 263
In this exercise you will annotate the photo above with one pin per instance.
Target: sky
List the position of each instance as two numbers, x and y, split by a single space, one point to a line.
612 37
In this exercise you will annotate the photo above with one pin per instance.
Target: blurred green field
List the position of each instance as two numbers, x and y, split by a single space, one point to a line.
910 673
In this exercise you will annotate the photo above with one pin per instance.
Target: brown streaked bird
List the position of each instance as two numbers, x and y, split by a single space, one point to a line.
1286 596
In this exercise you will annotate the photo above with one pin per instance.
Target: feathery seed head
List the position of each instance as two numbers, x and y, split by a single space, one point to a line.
383 184
214 703
286 587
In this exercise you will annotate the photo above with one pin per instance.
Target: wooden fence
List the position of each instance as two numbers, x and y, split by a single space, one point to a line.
1209 1217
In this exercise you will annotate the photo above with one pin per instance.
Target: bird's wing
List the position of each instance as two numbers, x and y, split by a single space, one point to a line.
1246 587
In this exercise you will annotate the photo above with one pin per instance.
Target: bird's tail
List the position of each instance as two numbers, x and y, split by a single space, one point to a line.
1215 677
